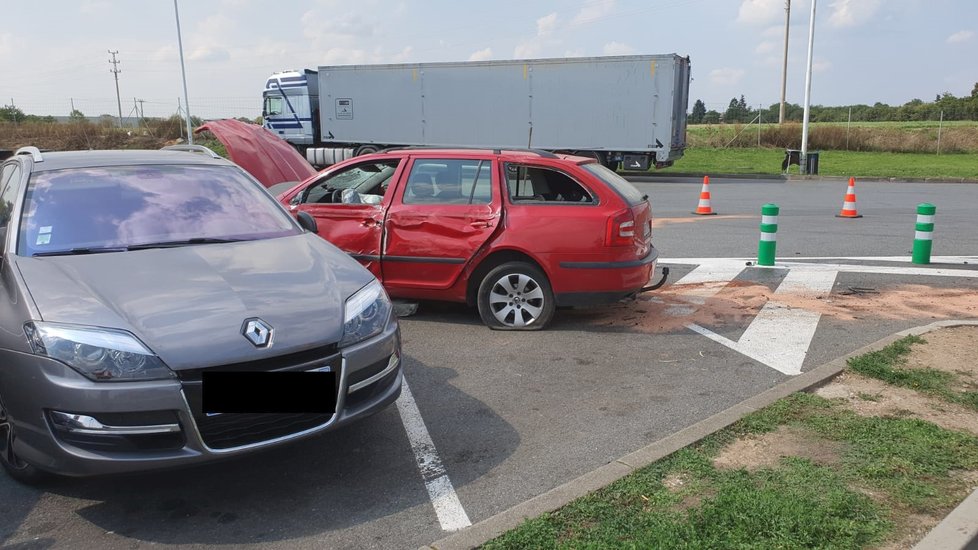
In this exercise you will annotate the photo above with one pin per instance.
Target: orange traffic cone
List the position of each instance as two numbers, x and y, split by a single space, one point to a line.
849 205
703 208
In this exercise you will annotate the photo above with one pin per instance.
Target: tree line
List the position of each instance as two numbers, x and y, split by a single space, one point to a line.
739 111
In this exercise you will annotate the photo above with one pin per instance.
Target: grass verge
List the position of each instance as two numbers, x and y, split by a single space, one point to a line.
882 471
708 160
889 364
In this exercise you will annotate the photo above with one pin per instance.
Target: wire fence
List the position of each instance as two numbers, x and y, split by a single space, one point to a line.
931 134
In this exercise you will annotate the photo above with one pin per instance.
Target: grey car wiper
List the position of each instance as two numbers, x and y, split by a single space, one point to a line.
184 242
76 251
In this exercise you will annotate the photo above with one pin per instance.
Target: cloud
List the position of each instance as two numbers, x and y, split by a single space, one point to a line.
594 11
765 47
208 54
821 65
960 36
760 12
481 55
532 47
6 43
547 24
403 56
94 6
617 48
850 13
726 76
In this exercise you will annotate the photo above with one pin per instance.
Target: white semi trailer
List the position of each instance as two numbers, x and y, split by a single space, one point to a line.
627 109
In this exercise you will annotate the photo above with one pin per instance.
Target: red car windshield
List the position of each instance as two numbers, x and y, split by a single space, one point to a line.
116 207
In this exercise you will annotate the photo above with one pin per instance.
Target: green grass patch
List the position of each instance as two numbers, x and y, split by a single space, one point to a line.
711 160
888 365
684 501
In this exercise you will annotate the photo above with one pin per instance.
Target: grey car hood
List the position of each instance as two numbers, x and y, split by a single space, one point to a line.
188 304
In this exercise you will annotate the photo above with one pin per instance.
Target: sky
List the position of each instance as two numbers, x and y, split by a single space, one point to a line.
892 51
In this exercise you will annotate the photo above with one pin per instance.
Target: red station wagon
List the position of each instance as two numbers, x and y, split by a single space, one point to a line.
517 233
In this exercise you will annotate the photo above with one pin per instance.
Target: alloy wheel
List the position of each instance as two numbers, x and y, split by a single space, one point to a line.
516 300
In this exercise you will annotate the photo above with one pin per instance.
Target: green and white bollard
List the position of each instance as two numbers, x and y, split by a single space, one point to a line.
769 230
923 238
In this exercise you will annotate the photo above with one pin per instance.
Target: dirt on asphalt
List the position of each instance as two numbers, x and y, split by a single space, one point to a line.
738 302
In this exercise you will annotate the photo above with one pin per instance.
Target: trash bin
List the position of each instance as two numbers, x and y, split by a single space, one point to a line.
811 163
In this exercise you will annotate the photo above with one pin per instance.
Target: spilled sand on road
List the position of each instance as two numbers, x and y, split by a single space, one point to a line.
674 307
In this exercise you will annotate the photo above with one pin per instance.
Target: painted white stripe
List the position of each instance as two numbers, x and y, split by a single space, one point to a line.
704 202
780 336
923 235
848 206
958 260
769 236
448 508
922 218
703 282
769 219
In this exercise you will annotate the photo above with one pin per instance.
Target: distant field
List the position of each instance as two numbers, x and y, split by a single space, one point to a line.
740 160
902 137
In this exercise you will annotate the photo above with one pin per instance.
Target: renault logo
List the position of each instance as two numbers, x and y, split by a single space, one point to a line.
258 332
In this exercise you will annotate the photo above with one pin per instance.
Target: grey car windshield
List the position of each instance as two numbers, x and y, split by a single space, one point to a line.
117 207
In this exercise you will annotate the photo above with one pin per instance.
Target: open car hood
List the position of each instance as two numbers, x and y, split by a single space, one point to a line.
261 153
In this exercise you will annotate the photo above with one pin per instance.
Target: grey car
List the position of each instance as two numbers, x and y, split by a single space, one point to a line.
160 308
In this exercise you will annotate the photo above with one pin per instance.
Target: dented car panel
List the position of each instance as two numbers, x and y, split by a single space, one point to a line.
514 232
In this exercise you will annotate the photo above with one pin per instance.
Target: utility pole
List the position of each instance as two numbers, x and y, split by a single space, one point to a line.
142 113
115 70
784 71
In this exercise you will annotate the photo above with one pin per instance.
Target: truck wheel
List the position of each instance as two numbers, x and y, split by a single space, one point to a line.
15 467
366 150
516 296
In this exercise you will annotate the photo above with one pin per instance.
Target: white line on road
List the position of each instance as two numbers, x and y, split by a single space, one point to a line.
780 335
935 261
449 509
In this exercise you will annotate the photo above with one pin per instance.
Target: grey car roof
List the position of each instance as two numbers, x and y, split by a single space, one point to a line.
88 159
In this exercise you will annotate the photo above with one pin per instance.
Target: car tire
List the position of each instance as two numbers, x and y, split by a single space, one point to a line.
516 296
16 468
367 150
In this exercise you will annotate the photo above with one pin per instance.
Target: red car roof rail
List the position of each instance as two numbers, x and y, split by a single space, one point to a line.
495 150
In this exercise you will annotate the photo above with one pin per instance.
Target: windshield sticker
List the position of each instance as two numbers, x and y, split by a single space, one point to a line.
43 238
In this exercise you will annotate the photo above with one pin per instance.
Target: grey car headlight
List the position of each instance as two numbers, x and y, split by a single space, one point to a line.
100 354
365 314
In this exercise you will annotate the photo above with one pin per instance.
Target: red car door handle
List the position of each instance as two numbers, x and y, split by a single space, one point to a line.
482 223
369 222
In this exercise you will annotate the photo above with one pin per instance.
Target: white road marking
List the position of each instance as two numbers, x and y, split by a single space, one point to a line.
709 279
780 336
935 260
448 508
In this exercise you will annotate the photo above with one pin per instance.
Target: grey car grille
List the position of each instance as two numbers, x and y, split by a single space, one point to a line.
227 431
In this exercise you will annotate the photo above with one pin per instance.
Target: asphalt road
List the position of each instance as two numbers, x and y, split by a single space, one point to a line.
515 414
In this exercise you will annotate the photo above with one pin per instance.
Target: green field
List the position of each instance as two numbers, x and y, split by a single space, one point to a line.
709 161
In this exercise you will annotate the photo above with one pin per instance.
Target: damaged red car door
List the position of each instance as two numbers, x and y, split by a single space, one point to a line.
349 204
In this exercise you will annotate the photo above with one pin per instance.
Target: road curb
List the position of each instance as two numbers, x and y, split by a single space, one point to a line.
963 526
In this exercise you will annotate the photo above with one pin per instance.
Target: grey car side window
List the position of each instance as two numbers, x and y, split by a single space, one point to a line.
10 183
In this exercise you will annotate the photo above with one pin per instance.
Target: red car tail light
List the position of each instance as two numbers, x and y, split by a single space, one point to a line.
621 229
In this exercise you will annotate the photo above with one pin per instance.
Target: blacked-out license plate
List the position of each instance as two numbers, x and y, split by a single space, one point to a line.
268 392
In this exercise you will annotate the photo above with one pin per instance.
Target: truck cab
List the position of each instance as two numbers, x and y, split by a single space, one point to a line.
290 106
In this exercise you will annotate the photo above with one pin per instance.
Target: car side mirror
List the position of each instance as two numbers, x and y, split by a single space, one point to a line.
307 222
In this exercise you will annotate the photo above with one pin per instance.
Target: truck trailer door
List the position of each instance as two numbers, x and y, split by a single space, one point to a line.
447 210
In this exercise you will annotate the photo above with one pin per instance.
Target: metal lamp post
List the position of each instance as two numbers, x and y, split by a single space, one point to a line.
808 94
183 71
